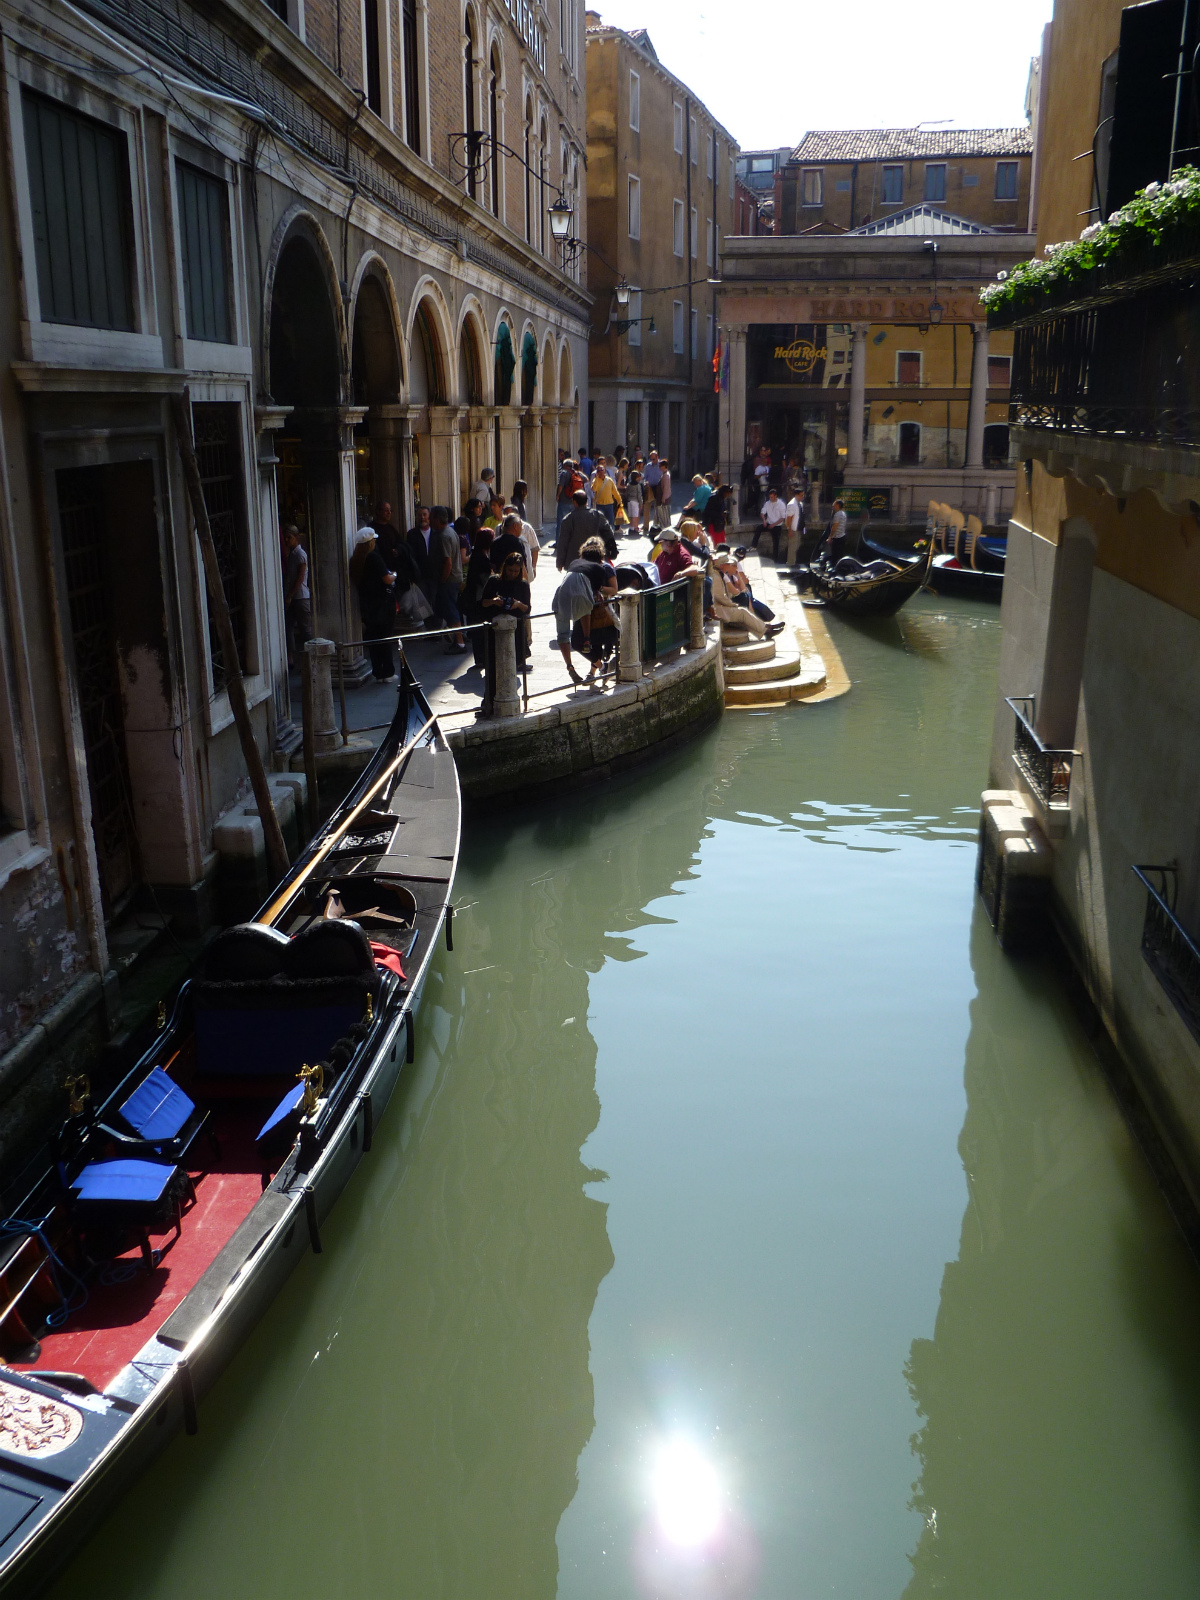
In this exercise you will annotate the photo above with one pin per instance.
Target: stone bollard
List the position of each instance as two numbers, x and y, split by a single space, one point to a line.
319 657
696 640
506 701
629 655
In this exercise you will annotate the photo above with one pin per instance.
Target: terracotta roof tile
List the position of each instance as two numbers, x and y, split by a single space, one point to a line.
911 144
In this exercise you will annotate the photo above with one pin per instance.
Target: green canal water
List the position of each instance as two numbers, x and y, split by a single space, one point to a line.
749 1225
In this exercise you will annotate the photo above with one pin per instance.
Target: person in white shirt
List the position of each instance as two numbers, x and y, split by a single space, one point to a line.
485 490
795 526
774 514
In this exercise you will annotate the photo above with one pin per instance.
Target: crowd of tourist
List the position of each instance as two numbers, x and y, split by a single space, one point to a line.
448 573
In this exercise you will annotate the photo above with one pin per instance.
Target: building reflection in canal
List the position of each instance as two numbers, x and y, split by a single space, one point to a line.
1059 1394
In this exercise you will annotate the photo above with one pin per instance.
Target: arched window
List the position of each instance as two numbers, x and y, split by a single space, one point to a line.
542 189
469 103
506 362
494 121
528 172
529 368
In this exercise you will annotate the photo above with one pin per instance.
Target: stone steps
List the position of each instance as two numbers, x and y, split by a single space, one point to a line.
785 665
736 655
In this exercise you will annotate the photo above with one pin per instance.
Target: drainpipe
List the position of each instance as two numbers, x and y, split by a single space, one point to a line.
687 332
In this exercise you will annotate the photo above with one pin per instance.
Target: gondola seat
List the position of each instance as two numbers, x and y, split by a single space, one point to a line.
270 1024
158 1117
130 1194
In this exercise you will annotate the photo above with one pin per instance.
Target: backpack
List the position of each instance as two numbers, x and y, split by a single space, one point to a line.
578 481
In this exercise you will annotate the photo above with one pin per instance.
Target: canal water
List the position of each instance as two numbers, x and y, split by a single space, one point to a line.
749 1225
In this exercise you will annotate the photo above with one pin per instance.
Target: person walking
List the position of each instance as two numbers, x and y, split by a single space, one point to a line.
605 494
774 514
376 603
580 523
664 493
297 597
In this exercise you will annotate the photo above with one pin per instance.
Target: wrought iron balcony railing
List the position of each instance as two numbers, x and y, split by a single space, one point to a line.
1047 771
1167 947
1122 369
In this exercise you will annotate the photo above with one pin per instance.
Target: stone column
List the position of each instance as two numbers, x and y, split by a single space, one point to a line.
993 490
696 639
266 420
508 468
357 667
629 655
732 423
326 733
858 394
443 451
978 413
507 700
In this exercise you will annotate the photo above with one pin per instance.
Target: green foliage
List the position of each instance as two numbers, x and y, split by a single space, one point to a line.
1157 215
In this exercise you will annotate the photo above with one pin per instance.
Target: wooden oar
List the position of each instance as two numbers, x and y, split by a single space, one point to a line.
289 892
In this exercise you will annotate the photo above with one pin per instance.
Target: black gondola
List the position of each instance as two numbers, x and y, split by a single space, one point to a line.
877 589
948 576
230 1139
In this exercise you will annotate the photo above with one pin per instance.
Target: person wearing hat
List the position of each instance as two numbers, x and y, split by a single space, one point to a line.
673 560
725 586
376 602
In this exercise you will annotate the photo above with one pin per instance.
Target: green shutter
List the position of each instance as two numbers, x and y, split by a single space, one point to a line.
204 238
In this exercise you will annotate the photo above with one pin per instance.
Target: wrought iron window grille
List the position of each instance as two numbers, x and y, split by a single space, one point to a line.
1047 771
1167 947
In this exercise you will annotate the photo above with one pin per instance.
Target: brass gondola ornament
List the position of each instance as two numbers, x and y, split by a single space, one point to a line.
79 1092
313 1079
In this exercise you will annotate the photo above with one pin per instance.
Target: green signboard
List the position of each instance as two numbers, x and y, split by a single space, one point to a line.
664 621
874 503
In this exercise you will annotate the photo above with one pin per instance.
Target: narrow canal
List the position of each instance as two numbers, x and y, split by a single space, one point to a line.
749 1226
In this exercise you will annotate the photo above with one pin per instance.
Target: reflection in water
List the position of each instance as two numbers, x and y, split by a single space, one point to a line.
620 1304
1060 1452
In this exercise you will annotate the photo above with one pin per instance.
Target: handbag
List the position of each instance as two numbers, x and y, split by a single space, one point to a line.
412 605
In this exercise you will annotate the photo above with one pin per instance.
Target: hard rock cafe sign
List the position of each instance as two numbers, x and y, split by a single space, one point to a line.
801 356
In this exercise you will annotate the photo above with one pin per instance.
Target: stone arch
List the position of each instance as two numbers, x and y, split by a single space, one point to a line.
306 351
472 370
504 357
429 345
549 372
528 364
565 375
373 270
376 359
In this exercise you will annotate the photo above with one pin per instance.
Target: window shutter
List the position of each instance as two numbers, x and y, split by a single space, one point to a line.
1144 107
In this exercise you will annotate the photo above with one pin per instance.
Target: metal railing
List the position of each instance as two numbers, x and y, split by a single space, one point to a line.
1167 947
1047 771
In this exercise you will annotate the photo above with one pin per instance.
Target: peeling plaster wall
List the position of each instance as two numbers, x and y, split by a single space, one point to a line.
42 947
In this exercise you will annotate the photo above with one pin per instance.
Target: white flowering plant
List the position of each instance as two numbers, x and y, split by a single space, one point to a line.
1156 215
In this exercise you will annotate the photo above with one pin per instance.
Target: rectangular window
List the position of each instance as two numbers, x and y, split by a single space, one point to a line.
635 316
842 186
710 156
678 129
79 197
677 230
695 333
373 85
204 241
935 180
412 101
970 180
893 186
732 176
692 135
812 187
677 326
763 164
695 233
708 244
635 207
908 368
709 346
635 102
219 457
999 372
1006 180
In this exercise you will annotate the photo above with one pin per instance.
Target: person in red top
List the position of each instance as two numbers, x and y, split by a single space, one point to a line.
673 559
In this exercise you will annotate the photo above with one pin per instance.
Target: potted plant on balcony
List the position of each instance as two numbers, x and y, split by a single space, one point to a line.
1155 235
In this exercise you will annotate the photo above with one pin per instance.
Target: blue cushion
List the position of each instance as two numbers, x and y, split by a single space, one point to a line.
127 1182
158 1108
285 1107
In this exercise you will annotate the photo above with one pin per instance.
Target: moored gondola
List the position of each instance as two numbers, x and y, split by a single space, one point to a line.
164 1219
877 589
948 575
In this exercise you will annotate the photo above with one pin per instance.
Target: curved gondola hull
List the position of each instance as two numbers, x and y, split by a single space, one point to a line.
392 843
871 595
948 576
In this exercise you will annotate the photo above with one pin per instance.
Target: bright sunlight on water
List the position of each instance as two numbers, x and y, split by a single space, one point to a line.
749 1225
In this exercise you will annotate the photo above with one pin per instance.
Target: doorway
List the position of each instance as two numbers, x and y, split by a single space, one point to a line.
113 583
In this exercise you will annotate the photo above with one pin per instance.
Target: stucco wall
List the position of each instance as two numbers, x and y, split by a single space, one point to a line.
1083 34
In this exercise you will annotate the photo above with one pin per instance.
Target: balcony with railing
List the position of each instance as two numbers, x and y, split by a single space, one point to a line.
1167 947
1045 770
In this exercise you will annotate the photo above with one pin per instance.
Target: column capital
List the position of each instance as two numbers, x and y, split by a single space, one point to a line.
980 330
